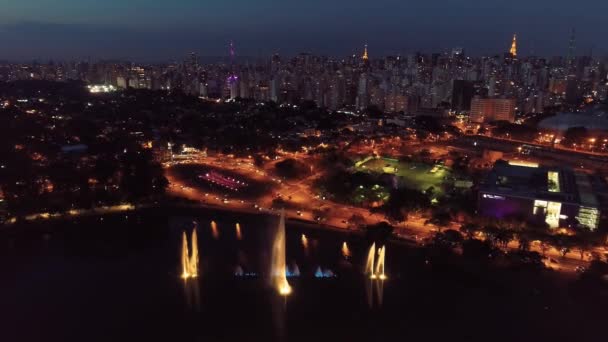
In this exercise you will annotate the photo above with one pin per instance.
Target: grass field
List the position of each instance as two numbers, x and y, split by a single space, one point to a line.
413 175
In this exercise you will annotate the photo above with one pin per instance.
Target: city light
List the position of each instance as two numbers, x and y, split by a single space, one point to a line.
94 89
317 179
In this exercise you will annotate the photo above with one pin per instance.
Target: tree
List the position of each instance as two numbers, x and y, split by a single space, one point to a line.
514 131
321 214
469 229
402 201
564 243
356 221
291 169
379 232
525 259
450 238
429 124
523 241
440 218
504 236
576 135
586 240
477 249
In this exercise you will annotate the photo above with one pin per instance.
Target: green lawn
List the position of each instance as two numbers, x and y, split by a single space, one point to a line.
413 175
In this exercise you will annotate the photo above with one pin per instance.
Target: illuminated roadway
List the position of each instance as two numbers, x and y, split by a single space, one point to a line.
302 202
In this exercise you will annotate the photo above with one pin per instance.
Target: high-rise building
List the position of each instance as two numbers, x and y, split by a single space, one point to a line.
193 61
362 95
486 110
122 82
571 47
233 79
462 94
274 89
376 97
394 103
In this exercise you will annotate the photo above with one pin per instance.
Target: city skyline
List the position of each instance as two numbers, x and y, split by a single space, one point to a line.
314 170
160 32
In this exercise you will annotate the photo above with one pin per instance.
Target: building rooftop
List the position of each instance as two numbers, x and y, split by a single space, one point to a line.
556 184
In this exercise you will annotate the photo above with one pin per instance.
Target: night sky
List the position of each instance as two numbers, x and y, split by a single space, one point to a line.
156 30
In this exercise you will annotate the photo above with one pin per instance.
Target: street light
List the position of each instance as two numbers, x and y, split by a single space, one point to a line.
591 143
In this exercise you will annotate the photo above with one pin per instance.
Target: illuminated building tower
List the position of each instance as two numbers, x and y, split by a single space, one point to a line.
365 57
513 50
233 79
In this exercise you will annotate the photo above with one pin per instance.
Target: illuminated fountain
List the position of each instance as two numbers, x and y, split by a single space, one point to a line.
189 261
375 268
304 240
190 270
380 263
345 250
278 265
327 273
185 258
239 235
193 264
214 231
379 287
369 266
294 271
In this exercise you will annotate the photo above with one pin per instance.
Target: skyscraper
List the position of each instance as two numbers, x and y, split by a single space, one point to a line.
571 47
396 103
362 95
233 79
462 93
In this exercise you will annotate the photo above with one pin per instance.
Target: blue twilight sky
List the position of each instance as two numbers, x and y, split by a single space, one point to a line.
155 30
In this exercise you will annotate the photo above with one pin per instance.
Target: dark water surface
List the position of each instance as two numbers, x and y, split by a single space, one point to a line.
118 280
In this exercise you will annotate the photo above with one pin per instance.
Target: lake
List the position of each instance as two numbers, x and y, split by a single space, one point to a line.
117 278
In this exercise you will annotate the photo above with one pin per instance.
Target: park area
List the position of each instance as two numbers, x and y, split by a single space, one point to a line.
413 175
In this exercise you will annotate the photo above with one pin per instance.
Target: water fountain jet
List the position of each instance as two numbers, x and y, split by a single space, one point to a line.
380 263
304 240
239 235
184 258
278 264
369 266
193 262
214 231
189 260
345 250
